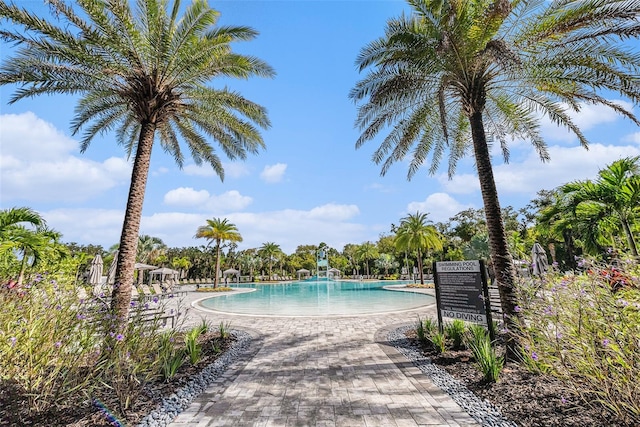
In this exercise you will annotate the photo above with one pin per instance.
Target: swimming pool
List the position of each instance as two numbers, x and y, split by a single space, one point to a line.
321 298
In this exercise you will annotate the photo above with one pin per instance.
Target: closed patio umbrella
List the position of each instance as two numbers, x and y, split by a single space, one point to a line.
539 259
95 272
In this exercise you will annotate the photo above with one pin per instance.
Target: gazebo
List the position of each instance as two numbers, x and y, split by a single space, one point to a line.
334 273
231 272
303 272
165 274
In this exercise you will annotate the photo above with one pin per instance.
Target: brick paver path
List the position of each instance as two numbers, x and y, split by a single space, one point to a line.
321 372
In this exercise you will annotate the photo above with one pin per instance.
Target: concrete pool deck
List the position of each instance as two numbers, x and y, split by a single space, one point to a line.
320 371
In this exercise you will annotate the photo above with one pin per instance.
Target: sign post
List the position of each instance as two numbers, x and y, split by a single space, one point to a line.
462 292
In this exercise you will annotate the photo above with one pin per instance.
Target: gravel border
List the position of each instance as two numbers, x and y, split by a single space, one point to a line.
485 413
177 402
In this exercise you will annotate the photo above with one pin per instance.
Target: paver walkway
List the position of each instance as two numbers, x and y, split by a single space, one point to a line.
321 372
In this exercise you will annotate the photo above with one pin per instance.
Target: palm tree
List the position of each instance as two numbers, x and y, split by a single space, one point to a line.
271 252
365 252
219 230
23 230
416 234
142 72
150 248
249 260
385 262
460 75
610 202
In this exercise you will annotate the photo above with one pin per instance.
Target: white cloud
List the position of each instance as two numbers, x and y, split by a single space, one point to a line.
440 207
589 117
38 164
204 170
465 183
567 164
226 202
380 187
633 138
186 197
235 170
273 173
231 170
287 228
95 226
333 212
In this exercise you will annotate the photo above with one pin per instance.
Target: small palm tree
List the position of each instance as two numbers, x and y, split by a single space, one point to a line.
271 252
142 72
150 248
416 234
610 202
219 230
366 252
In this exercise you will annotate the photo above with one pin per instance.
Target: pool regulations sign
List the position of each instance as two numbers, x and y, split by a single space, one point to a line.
462 292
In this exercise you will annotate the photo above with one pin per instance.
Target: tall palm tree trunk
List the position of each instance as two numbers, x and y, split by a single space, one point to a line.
215 274
121 296
420 267
500 256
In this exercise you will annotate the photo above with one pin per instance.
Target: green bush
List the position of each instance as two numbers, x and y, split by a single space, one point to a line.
193 347
47 346
580 329
455 332
477 339
439 341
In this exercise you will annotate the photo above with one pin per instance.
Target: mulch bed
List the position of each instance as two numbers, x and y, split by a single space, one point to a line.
13 410
526 398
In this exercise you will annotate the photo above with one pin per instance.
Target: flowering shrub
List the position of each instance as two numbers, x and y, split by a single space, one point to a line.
57 350
585 328
47 348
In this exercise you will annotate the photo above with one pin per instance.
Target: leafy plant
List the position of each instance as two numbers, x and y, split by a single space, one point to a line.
485 356
424 329
224 330
455 331
439 341
171 358
193 347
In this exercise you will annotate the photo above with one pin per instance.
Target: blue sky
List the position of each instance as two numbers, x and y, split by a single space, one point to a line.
310 185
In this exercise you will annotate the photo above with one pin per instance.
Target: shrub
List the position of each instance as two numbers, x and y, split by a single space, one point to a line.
171 358
193 347
455 332
439 342
224 329
477 339
580 329
47 347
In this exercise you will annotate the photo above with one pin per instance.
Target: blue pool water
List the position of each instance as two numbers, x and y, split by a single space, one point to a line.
322 298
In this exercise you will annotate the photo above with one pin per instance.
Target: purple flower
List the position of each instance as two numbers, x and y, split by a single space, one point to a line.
119 337
13 341
58 344
133 304
81 316
605 342
563 400
559 335
548 311
155 299
517 309
534 356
